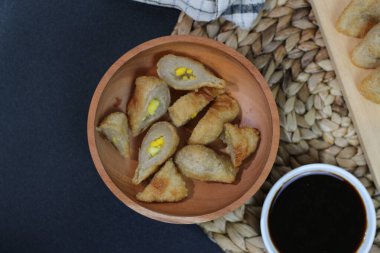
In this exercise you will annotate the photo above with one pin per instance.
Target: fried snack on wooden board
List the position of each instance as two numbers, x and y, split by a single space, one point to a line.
367 53
150 101
370 87
359 17
241 142
115 128
202 163
167 185
183 73
188 106
223 110
159 143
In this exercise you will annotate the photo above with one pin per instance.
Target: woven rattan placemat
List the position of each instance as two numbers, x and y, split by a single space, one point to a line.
286 45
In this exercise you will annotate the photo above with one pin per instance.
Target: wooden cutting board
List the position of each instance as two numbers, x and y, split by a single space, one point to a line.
365 114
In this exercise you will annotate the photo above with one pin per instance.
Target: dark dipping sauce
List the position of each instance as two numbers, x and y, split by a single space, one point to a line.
317 212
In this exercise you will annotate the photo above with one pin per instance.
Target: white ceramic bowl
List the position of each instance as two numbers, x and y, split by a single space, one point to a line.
311 168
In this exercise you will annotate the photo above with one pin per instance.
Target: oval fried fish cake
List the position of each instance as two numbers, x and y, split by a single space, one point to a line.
150 101
183 73
367 53
370 87
359 17
159 143
202 163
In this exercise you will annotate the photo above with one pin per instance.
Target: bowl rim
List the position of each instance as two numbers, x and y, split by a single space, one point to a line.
167 217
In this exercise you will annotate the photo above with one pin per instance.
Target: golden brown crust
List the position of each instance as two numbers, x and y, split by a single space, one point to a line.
148 165
370 87
137 111
202 163
115 128
167 185
359 17
367 53
241 142
223 110
189 105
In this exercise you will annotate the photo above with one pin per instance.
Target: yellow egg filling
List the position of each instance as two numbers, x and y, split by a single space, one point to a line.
184 73
155 146
180 71
153 106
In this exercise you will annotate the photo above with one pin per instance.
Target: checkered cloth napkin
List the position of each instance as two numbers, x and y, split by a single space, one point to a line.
242 12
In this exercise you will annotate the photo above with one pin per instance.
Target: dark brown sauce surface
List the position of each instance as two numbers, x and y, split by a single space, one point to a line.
317 213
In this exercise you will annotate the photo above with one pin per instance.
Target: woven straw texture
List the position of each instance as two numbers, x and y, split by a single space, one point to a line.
286 45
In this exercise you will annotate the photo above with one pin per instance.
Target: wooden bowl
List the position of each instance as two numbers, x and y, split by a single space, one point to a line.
206 201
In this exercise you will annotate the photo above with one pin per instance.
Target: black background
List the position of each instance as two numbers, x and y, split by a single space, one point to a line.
52 55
